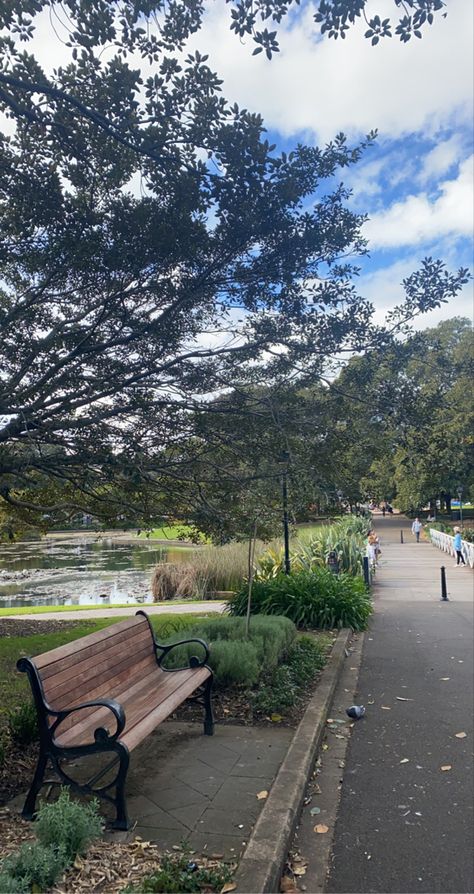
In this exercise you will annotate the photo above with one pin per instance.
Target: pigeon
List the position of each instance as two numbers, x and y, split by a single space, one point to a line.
355 711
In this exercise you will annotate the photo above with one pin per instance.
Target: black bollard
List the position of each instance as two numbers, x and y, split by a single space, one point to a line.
366 571
444 591
401 536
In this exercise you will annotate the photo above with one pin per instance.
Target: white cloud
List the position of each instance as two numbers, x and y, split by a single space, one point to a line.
442 157
420 218
319 87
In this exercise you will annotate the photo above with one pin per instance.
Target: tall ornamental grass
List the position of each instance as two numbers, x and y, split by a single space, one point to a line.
209 570
346 538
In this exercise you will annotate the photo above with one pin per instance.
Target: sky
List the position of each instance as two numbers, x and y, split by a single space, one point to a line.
416 182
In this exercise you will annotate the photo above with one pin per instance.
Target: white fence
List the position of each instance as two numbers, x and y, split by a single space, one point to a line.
446 543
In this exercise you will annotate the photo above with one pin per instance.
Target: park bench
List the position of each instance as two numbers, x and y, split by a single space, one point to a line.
113 678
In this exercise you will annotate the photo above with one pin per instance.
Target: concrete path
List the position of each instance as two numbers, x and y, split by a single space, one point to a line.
405 824
183 786
164 608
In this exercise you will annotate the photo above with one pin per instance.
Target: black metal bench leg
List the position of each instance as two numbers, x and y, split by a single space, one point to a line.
121 822
30 803
209 718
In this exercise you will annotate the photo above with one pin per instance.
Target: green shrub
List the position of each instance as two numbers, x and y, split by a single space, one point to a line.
68 825
166 626
10 885
285 684
23 723
234 658
34 865
316 598
177 875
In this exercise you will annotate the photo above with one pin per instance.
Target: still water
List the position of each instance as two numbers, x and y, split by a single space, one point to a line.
81 571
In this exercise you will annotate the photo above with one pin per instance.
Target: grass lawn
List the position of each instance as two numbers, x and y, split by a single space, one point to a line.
15 687
169 532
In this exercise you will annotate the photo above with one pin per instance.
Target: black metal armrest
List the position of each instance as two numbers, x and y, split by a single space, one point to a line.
193 660
101 734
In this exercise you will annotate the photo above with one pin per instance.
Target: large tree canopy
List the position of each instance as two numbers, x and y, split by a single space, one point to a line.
155 252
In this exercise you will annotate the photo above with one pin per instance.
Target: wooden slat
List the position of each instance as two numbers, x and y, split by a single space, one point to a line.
99 647
121 682
144 698
86 723
85 641
152 719
97 667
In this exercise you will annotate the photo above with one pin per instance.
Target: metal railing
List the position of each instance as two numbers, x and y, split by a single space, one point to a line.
446 543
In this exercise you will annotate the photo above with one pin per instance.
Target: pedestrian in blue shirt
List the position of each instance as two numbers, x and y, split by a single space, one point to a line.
458 547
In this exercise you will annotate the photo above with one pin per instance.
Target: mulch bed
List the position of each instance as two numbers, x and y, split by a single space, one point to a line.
20 627
107 867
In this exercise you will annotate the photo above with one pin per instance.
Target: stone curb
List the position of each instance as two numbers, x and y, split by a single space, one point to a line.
262 863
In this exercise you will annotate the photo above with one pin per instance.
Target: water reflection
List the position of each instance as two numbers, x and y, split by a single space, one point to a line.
81 571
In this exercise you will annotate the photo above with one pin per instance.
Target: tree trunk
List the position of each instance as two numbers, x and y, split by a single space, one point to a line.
251 557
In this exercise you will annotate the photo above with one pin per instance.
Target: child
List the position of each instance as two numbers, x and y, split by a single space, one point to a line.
458 547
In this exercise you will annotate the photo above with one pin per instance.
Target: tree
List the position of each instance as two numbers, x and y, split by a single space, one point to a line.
417 402
122 314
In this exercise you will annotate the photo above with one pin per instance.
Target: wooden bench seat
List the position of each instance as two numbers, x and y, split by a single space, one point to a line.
105 693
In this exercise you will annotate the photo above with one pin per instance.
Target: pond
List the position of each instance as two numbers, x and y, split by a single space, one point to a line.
82 570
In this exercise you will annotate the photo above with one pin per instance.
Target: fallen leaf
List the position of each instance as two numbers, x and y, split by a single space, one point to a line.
446 767
401 699
276 718
262 795
229 886
461 735
315 810
321 829
287 885
405 760
385 708
78 863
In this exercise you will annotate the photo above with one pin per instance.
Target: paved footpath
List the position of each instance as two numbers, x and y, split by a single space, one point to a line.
405 824
164 608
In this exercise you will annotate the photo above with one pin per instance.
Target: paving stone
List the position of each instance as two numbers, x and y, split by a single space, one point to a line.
197 771
189 815
176 795
161 819
230 846
209 786
238 789
164 838
227 822
140 806
260 768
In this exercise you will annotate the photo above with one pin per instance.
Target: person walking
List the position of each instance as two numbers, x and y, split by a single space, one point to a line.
458 547
416 528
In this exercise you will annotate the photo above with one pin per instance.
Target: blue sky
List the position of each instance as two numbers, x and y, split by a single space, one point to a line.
416 182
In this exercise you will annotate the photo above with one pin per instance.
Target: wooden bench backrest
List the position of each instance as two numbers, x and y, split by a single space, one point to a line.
98 665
